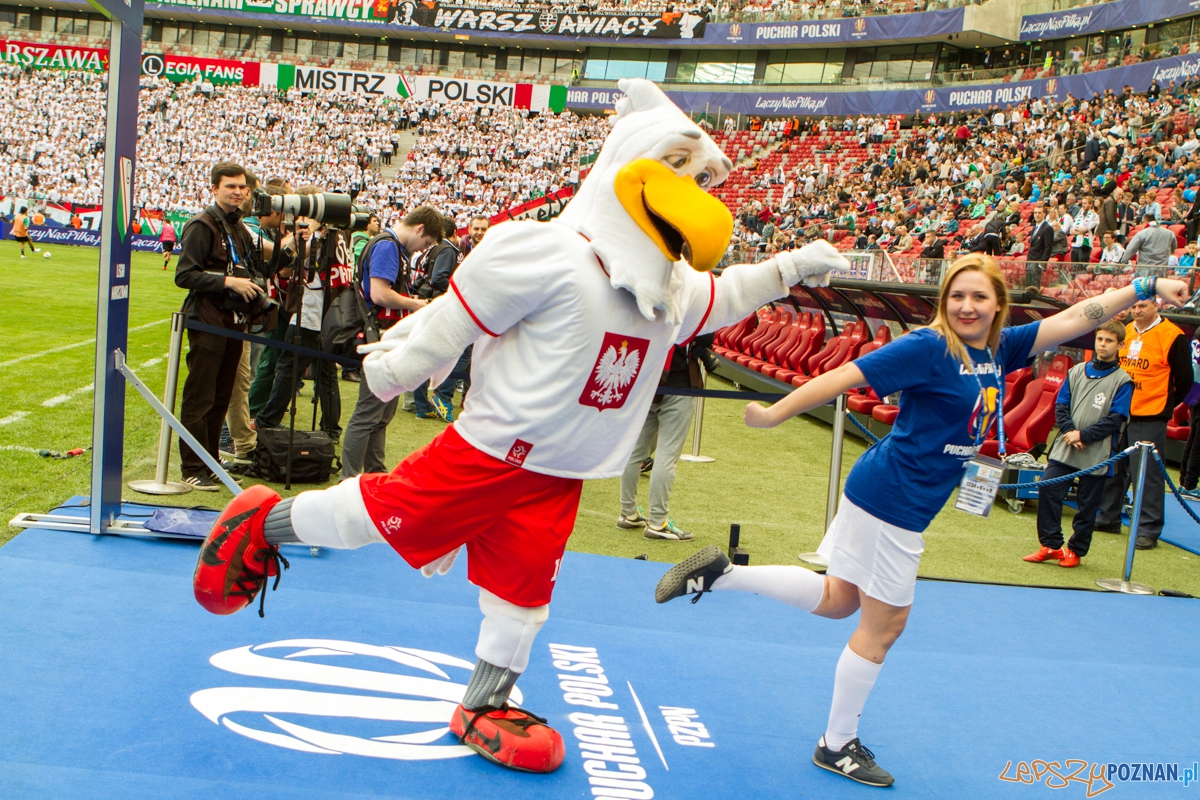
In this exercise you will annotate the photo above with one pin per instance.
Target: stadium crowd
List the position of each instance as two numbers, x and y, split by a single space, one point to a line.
466 160
972 181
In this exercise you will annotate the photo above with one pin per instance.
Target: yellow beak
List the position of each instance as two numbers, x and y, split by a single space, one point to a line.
681 218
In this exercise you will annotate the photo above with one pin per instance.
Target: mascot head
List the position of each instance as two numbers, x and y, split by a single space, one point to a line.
645 205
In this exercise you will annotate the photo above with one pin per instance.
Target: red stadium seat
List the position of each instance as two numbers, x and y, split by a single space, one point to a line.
885 413
1178 428
783 319
809 342
780 345
778 360
1034 428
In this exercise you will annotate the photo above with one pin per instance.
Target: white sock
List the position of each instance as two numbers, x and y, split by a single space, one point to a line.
335 517
851 686
795 586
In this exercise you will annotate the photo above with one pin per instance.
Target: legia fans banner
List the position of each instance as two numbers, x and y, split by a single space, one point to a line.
186 68
37 55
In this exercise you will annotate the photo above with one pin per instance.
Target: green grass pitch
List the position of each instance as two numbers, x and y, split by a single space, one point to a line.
771 482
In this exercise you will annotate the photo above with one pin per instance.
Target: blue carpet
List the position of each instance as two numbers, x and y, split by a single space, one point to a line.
1178 528
106 659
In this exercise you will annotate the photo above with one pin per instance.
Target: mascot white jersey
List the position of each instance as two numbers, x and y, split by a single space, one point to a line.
573 321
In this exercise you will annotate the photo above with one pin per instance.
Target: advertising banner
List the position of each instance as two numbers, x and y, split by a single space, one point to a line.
36 55
911 101
838 31
187 68
356 10
79 237
536 97
1105 17
668 25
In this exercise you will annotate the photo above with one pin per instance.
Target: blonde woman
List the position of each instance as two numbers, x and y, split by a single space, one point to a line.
949 375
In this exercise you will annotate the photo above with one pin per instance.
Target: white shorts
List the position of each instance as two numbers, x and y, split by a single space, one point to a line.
876 556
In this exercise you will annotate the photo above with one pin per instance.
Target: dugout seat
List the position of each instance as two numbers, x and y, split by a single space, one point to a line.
851 337
735 332
865 401
1178 427
777 347
810 341
1033 429
778 360
1015 384
752 345
885 413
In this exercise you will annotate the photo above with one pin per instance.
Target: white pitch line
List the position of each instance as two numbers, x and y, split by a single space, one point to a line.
646 724
65 347
151 362
16 416
66 398
19 448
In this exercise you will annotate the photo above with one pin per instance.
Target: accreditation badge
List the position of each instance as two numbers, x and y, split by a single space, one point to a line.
1135 349
980 483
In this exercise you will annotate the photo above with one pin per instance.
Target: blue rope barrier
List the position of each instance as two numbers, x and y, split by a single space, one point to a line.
1065 478
1174 490
874 439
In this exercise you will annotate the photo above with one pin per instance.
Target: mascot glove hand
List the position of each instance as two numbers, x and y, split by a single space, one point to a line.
380 346
810 264
441 565
379 378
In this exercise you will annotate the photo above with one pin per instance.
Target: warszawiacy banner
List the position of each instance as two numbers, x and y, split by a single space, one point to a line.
37 55
536 97
668 25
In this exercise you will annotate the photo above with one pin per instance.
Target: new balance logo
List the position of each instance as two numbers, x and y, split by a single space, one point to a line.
847 764
695 585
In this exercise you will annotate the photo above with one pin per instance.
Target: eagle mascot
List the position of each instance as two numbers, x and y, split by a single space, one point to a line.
571 322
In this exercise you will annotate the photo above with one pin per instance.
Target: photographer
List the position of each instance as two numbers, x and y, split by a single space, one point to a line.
277 252
319 277
225 279
384 268
437 265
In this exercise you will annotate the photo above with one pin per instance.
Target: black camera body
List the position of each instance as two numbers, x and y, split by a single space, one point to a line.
333 209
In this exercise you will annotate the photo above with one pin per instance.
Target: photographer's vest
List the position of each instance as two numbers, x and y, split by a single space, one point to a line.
1091 401
1144 357
228 254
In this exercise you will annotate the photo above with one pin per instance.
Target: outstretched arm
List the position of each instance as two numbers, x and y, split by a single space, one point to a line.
744 288
419 347
817 392
1087 314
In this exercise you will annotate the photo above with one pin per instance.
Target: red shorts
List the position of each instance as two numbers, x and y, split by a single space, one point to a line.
515 523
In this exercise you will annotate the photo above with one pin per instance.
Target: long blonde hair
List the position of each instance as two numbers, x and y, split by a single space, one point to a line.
973 262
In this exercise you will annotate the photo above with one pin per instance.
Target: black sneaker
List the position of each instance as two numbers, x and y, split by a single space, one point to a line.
1145 543
694 575
202 483
853 761
1108 528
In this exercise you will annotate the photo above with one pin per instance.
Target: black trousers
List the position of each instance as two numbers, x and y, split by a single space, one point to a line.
212 363
1050 504
289 367
1189 472
1139 429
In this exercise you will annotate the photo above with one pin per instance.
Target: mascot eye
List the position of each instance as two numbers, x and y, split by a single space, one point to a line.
704 179
678 162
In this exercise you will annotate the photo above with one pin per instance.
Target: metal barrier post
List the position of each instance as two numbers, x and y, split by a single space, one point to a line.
1145 456
160 484
835 478
697 432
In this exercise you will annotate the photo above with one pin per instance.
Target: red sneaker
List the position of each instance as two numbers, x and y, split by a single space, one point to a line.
236 561
1045 554
1070 558
510 737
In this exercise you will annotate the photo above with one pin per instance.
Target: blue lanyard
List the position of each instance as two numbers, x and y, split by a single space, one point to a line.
983 399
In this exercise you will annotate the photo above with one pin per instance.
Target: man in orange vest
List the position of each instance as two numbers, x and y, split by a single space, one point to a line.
1157 356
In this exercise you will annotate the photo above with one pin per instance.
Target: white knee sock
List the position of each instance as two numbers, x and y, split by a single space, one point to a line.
507 632
851 686
335 517
796 586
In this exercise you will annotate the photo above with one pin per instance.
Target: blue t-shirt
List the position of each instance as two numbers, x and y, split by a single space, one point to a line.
907 478
384 263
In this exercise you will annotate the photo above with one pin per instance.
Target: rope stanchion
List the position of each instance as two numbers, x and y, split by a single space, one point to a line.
866 431
1124 584
1068 478
1174 489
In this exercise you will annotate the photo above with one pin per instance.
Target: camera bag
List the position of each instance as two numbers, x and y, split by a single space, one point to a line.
313 456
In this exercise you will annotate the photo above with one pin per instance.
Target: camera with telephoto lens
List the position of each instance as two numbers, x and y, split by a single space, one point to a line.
334 210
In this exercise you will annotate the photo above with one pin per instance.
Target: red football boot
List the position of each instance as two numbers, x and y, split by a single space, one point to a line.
236 561
510 737
1044 554
1070 558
